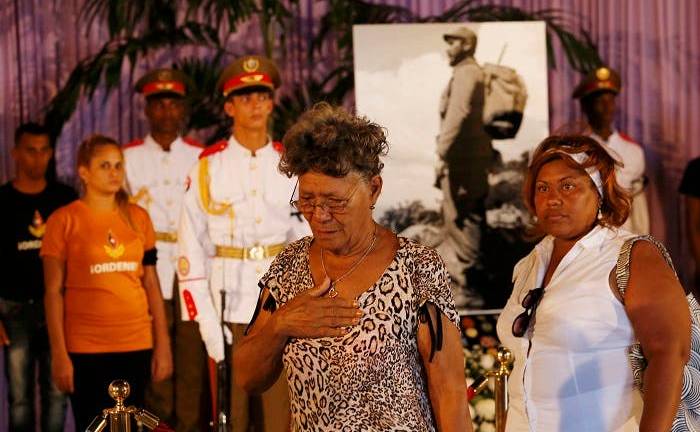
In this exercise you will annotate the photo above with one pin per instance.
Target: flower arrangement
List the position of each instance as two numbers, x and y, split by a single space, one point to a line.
480 347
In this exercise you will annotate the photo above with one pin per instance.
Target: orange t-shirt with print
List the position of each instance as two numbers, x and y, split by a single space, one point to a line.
105 304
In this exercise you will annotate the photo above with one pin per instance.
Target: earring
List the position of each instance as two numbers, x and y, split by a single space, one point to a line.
371 207
600 210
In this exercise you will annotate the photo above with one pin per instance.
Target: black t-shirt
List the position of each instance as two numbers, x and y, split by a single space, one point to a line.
22 223
690 185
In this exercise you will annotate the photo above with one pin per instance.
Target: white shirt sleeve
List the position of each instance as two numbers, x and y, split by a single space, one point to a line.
195 248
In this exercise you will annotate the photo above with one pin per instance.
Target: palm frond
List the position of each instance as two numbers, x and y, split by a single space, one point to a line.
336 24
275 21
221 12
126 17
333 87
290 106
465 12
457 13
87 76
579 49
206 101
582 54
137 28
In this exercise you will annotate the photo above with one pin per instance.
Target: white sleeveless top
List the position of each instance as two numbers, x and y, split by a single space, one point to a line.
571 371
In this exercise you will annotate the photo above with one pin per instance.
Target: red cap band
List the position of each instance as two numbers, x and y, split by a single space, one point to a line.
164 86
599 85
250 78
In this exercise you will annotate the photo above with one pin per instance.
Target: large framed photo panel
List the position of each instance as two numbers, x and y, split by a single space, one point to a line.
463 106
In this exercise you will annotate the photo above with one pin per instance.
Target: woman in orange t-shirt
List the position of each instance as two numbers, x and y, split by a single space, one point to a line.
104 308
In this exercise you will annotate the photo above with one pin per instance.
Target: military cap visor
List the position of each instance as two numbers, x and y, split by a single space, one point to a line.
600 80
164 81
250 71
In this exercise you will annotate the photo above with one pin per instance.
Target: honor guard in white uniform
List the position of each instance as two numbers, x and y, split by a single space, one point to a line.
156 168
597 93
236 217
156 179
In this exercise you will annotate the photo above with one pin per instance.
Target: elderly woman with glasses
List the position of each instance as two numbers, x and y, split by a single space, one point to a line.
567 323
363 321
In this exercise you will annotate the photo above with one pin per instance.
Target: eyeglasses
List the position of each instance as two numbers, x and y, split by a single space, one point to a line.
330 205
530 302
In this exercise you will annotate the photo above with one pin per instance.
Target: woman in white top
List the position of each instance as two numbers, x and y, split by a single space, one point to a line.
565 322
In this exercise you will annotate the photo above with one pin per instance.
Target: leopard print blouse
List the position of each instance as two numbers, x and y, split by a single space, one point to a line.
371 379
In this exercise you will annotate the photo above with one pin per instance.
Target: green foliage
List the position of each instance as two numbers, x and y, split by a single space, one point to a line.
336 24
137 29
273 14
126 17
104 69
205 101
580 51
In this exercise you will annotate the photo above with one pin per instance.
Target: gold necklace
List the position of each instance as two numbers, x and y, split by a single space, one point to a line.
332 291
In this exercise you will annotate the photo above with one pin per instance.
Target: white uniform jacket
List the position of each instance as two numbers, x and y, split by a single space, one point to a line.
155 179
236 216
631 177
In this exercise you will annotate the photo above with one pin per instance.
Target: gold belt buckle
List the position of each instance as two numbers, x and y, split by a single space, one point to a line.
166 236
256 253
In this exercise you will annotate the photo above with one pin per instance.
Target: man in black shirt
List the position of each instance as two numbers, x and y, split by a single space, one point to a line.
27 201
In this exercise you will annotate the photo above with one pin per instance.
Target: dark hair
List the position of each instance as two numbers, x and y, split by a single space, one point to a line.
87 151
615 201
30 128
331 141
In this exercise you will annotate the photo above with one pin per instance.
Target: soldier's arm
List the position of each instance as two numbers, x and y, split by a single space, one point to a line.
127 169
640 209
4 339
637 162
461 92
639 214
192 268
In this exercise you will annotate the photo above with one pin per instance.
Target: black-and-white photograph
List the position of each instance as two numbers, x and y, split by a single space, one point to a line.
463 105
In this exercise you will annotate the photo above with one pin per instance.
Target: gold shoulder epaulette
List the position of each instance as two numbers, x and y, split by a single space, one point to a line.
209 205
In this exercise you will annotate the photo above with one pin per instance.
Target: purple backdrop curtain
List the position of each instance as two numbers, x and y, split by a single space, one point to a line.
655 44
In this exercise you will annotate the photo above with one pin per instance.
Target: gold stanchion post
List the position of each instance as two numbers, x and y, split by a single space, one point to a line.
500 374
505 359
119 417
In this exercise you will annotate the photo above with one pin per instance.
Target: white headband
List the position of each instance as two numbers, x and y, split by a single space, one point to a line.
592 171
